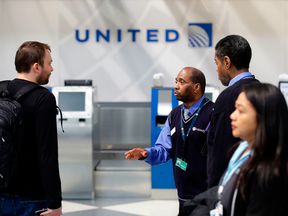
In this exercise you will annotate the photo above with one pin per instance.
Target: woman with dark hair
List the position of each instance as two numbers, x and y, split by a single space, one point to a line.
255 182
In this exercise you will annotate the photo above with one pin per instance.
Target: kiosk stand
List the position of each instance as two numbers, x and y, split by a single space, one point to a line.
162 102
75 145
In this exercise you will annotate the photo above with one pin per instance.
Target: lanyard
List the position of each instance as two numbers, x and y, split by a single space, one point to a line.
236 161
191 125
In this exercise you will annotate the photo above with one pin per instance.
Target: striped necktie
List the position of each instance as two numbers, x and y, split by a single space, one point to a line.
186 114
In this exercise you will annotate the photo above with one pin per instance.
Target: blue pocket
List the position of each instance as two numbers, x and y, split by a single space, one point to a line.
32 206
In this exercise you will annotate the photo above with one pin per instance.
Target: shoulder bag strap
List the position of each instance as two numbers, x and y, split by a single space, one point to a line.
25 89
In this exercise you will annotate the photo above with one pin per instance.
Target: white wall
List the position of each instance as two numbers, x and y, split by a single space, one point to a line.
123 70
22 21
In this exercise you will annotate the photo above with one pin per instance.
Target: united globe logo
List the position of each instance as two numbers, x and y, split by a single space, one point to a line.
200 34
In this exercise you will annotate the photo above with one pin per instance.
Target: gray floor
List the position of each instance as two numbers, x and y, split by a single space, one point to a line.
120 207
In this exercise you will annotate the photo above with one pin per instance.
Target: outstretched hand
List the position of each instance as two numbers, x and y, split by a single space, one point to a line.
136 153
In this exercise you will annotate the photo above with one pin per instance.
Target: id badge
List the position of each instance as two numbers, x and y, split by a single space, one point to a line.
220 209
181 164
214 212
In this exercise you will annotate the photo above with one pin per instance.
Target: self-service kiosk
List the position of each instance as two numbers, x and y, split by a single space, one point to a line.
75 144
283 85
163 101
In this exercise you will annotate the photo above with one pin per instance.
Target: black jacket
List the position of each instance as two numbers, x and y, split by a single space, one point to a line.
220 137
260 199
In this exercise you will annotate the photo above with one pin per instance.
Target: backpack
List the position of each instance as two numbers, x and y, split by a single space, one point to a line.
11 118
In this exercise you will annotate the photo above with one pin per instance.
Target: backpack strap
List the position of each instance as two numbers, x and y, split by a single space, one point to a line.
4 84
4 89
30 87
25 89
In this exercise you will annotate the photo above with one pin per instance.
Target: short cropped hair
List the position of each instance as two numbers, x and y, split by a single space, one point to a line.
197 76
29 53
237 49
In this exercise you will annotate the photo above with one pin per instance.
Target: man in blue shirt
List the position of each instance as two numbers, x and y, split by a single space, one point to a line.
183 138
232 57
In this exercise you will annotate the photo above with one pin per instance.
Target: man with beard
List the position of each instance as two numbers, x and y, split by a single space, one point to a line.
183 137
35 181
232 57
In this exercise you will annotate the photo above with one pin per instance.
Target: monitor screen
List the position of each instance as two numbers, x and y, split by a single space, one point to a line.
283 86
212 93
72 101
209 95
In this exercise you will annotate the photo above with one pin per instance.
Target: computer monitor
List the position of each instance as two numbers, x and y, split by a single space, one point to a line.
74 101
283 86
211 93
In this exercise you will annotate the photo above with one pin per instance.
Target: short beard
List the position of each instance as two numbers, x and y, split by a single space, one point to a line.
225 80
188 98
42 81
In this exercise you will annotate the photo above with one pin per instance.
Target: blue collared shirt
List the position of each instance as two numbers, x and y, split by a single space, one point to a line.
245 75
160 153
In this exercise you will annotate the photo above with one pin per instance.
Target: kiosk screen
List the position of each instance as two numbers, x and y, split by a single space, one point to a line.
72 101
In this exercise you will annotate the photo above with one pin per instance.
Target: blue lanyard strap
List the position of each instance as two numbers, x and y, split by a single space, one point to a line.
184 137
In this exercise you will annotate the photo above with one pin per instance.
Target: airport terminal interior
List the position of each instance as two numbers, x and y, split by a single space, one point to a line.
115 64
96 178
